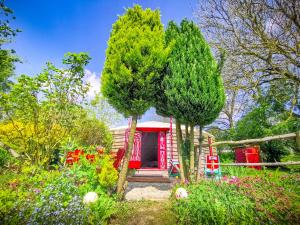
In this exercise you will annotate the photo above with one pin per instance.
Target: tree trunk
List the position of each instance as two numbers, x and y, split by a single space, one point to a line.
186 131
179 150
124 170
192 152
199 154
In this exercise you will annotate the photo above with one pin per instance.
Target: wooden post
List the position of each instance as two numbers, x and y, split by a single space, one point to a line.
298 141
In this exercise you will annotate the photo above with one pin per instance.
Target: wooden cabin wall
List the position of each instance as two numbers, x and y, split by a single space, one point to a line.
119 137
205 151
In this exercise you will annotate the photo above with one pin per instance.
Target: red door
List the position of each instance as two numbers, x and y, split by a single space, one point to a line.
162 150
135 160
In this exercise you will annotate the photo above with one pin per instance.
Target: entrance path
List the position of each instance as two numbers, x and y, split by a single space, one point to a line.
144 213
148 191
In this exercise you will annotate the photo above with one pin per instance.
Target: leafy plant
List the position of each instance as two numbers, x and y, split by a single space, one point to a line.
264 198
108 175
60 203
4 157
44 116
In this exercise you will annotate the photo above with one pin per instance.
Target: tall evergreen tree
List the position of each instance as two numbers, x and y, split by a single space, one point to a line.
135 56
194 86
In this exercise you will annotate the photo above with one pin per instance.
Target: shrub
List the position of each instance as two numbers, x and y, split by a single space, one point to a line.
19 192
209 203
227 157
271 198
4 157
108 175
91 131
102 209
59 203
91 175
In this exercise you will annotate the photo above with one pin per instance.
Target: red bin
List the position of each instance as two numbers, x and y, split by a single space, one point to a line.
248 155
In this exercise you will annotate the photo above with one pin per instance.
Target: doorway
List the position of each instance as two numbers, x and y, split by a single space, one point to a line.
149 151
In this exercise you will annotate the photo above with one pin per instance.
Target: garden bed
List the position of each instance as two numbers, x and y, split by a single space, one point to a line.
259 198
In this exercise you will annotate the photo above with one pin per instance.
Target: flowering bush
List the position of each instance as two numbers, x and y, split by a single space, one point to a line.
271 198
108 175
51 197
99 173
59 203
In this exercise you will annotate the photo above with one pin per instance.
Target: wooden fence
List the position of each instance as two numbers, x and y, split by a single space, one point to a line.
295 136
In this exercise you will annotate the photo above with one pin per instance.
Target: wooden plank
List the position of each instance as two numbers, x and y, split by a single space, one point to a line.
257 140
148 179
258 164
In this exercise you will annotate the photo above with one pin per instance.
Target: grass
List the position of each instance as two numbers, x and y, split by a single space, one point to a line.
144 213
243 196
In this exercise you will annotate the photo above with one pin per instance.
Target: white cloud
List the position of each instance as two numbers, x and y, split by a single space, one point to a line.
94 80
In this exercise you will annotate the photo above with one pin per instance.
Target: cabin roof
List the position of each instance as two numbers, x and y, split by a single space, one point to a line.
152 124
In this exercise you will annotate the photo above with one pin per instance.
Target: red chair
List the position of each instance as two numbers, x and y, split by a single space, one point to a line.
118 158
212 166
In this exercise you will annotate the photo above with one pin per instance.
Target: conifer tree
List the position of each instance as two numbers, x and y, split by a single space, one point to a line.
193 86
135 56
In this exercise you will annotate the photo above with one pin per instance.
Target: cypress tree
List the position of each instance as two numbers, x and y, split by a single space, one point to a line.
193 86
135 56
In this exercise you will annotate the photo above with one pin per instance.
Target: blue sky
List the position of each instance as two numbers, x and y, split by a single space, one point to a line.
52 28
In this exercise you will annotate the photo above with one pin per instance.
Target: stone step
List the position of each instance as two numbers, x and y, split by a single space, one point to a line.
148 179
154 172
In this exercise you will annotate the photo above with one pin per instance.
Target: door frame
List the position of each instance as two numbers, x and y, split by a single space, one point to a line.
156 130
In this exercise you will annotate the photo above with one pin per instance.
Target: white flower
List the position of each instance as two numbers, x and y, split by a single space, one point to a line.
181 193
90 197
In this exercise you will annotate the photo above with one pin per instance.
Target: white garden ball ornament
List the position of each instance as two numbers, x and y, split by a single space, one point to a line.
181 193
90 197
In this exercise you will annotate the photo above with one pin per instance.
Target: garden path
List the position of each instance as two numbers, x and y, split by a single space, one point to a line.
144 213
148 191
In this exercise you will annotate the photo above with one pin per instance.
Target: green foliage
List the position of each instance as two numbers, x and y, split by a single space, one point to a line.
7 61
4 157
59 203
193 85
265 199
102 209
263 121
34 196
108 175
7 56
40 111
19 191
91 131
100 174
212 204
227 157
295 157
135 56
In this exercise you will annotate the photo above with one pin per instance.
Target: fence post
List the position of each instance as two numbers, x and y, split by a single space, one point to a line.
298 141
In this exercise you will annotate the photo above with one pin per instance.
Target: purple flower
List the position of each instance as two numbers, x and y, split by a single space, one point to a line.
37 190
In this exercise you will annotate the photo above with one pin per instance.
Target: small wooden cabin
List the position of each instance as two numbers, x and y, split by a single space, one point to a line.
154 145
